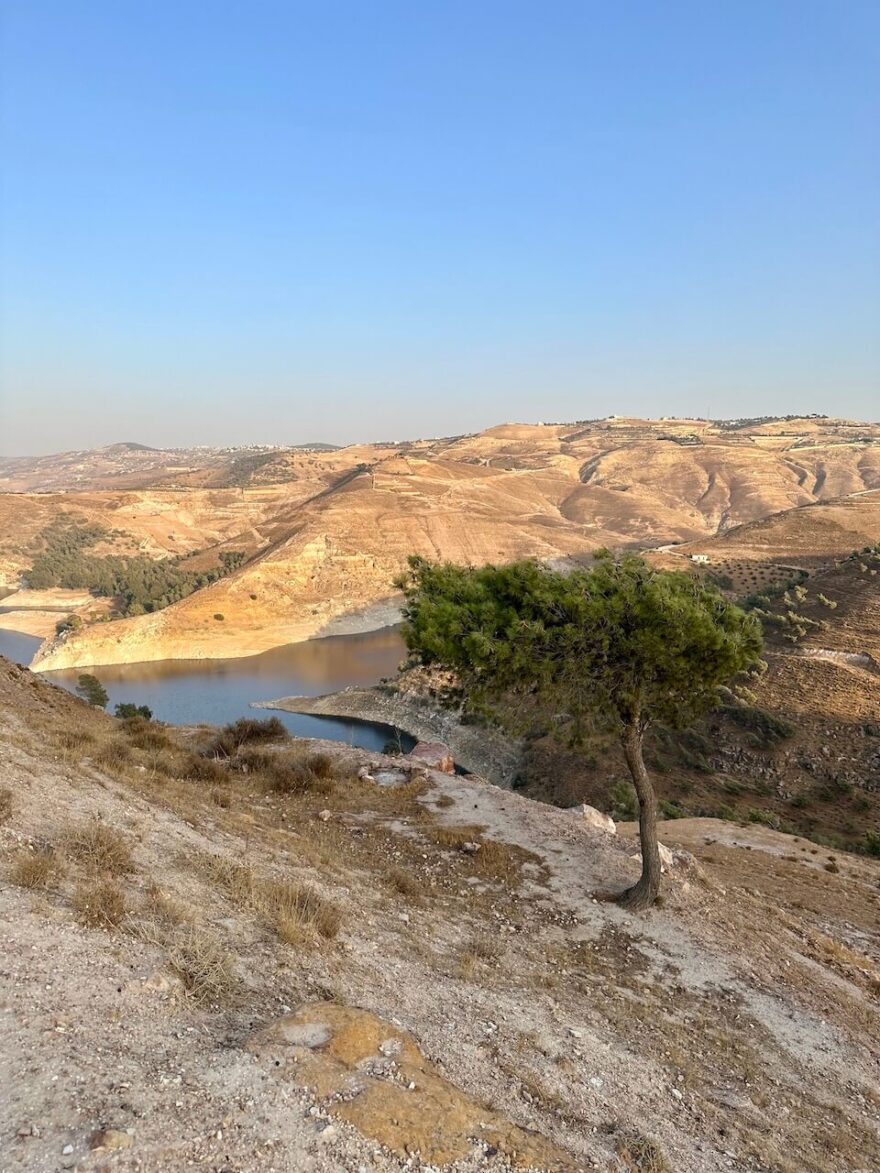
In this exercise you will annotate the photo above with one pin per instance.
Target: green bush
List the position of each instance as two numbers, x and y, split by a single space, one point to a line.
766 729
127 710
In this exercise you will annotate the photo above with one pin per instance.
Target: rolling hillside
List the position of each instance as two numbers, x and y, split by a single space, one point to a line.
326 532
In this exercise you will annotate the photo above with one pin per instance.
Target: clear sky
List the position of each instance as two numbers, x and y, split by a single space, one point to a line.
282 222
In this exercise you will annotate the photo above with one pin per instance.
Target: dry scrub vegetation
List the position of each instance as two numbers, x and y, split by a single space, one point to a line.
240 871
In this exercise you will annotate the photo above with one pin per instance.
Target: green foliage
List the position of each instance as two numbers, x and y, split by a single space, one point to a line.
126 710
624 640
65 559
625 804
872 843
765 728
763 816
91 689
720 579
67 624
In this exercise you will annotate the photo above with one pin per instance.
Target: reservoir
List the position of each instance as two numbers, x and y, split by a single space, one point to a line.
189 692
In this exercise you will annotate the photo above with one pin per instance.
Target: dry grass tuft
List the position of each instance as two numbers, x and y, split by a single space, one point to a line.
289 773
445 800
296 911
481 948
34 869
639 1155
75 741
112 754
100 904
144 734
100 848
199 959
496 861
5 804
164 909
199 769
404 883
458 838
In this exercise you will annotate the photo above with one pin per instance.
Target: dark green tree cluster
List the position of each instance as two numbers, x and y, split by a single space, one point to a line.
621 643
91 690
127 711
141 584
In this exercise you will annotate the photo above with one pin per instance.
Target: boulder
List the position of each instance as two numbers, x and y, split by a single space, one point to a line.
598 821
667 859
435 755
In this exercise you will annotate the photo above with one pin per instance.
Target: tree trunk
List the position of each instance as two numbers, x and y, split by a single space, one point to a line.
644 893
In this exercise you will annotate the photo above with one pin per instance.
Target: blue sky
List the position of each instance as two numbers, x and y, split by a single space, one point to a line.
281 222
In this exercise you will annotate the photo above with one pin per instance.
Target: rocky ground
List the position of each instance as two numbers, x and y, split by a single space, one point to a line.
306 957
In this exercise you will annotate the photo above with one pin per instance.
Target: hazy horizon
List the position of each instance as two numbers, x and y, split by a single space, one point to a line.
234 443
285 224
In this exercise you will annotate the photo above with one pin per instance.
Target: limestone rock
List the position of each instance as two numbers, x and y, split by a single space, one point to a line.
435 755
109 1139
598 821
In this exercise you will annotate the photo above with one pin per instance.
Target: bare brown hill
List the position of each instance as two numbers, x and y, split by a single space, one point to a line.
326 532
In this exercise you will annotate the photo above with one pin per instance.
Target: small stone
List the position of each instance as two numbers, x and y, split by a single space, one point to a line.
575 1034
110 1139
67 1150
596 1082
677 1093
325 816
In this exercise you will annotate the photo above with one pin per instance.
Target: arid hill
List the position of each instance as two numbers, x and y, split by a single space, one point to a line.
337 961
326 532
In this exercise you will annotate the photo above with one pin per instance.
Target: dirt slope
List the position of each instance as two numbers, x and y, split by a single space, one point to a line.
451 996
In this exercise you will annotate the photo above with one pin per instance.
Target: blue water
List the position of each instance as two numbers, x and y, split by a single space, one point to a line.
190 692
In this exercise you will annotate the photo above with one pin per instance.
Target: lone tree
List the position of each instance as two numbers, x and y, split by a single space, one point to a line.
92 690
621 642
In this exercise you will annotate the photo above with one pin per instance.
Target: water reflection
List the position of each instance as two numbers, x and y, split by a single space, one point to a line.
187 692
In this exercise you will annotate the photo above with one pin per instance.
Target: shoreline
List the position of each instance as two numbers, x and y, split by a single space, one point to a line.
479 750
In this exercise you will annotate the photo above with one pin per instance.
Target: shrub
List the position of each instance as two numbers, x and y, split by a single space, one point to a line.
219 616
99 847
872 843
321 765
5 804
145 734
765 817
247 731
33 869
100 904
625 805
203 965
765 729
199 769
127 710
290 776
